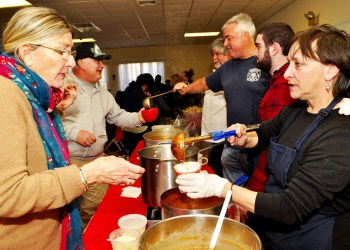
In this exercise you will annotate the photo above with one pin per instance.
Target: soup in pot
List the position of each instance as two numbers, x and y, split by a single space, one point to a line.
182 201
195 238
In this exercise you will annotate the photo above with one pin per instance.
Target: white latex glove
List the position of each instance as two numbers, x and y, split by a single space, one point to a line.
344 106
201 185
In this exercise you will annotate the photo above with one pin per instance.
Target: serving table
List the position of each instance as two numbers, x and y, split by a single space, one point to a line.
112 207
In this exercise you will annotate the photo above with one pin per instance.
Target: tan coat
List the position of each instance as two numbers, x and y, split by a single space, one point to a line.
31 196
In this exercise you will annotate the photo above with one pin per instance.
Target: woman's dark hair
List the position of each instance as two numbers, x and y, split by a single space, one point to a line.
189 74
328 45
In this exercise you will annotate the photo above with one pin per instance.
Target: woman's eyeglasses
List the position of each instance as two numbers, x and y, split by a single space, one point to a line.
65 53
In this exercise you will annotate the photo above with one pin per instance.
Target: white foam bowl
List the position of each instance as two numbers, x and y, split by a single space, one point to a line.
133 221
125 239
188 167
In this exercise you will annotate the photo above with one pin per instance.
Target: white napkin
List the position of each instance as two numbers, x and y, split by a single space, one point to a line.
132 192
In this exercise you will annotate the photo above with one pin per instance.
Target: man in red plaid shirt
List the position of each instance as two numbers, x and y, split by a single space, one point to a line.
272 43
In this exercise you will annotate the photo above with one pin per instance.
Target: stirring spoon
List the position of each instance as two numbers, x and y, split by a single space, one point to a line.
218 226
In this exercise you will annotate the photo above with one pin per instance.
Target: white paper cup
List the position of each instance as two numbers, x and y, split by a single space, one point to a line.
125 239
133 221
188 167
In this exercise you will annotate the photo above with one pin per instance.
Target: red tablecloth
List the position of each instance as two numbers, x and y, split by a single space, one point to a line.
112 207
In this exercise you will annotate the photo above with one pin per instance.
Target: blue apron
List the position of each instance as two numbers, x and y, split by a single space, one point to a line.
316 232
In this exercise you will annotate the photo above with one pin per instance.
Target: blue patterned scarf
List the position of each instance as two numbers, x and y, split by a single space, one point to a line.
42 100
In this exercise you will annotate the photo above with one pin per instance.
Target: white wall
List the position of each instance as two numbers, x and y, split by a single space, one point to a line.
333 12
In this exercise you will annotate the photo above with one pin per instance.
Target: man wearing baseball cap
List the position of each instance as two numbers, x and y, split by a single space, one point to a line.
85 120
90 50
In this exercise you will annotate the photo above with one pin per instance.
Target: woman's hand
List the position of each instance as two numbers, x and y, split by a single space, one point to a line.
112 170
241 135
69 94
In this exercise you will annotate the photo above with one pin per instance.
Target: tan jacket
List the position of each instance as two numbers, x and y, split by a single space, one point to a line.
31 196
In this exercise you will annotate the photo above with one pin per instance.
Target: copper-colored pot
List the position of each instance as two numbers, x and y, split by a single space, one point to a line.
175 203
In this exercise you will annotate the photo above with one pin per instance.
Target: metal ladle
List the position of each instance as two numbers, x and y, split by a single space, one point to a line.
179 142
147 100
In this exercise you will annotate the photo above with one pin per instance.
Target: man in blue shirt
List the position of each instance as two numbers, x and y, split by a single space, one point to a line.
244 86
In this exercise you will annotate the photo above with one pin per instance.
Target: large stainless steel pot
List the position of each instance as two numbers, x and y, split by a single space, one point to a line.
160 136
195 231
175 203
160 176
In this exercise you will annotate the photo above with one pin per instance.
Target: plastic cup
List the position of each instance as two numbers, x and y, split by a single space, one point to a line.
133 221
125 239
188 167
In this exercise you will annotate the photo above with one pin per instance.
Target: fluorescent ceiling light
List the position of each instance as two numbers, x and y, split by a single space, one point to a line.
13 3
197 34
86 27
146 2
84 40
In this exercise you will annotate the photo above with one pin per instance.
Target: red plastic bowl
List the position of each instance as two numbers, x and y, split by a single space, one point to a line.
150 115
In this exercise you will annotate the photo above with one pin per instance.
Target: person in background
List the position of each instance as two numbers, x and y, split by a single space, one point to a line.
169 100
190 100
175 78
187 76
134 96
214 108
120 97
306 203
85 120
158 82
272 43
155 88
152 87
175 100
39 186
243 84
158 79
132 101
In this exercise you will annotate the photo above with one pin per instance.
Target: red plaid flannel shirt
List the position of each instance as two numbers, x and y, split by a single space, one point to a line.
276 98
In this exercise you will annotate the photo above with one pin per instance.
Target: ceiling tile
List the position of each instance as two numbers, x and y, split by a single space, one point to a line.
124 23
